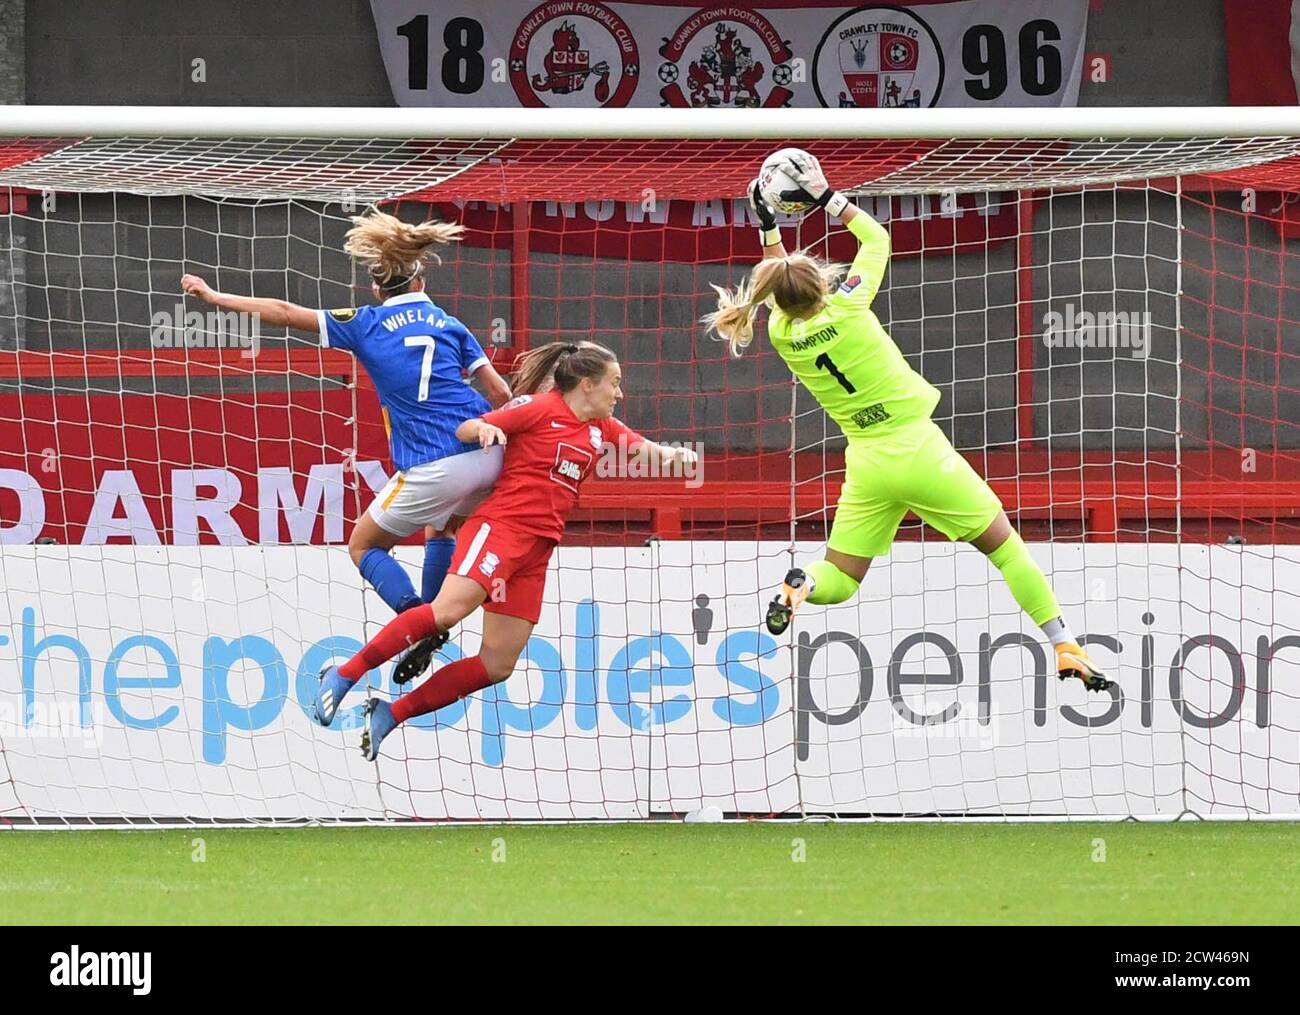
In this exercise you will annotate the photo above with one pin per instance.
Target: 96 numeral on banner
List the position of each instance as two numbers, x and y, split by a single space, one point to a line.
984 55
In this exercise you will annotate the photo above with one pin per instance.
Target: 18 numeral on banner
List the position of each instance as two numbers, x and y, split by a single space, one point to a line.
462 63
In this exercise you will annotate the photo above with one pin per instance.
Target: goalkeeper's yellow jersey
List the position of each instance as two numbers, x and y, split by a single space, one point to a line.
845 359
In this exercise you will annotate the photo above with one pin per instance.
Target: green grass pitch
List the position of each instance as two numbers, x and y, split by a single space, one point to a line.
754 872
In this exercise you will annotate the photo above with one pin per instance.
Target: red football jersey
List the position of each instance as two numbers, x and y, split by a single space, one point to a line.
549 452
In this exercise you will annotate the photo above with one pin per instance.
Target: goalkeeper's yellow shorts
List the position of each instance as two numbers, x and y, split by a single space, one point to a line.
914 469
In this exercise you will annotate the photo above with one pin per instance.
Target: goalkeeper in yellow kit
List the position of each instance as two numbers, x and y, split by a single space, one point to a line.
897 458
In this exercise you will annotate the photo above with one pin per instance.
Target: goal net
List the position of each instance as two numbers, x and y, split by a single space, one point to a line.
1110 315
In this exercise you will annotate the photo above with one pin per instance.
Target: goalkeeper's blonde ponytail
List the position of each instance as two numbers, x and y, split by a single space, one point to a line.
797 283
394 251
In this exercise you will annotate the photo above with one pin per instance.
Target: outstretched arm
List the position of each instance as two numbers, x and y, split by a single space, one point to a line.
665 454
873 252
278 313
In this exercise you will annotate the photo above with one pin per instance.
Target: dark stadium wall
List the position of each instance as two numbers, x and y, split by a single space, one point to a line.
1161 53
13 78
143 52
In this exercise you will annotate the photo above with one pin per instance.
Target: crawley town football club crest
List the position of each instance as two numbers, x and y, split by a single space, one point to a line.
881 57
563 58
728 56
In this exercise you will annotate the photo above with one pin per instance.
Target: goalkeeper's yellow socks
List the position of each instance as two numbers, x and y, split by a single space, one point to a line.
830 585
1036 598
1029 586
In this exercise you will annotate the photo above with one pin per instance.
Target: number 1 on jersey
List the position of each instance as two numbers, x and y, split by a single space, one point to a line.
826 363
426 368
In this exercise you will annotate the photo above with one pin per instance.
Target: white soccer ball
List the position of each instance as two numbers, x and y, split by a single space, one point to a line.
775 184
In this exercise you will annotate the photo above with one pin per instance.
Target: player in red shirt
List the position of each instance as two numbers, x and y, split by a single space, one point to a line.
552 440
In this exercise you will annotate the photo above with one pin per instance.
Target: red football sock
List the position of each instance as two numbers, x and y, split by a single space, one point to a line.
404 630
455 680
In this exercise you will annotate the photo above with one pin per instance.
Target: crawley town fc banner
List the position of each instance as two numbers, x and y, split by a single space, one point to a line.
673 53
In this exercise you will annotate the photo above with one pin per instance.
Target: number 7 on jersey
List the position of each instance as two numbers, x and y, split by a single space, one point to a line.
426 367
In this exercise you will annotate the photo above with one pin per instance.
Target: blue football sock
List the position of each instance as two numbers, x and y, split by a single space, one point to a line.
389 579
437 558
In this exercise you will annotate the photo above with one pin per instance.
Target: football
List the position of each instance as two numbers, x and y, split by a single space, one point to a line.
774 183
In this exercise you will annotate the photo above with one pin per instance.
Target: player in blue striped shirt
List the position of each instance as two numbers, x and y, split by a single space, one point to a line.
415 353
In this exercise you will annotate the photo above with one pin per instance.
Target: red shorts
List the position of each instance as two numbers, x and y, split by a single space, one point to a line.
508 563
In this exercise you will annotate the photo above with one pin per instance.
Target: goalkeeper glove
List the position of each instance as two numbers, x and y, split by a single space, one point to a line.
806 171
767 228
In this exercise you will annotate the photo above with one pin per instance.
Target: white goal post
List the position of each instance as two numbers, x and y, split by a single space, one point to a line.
367 154
1076 123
